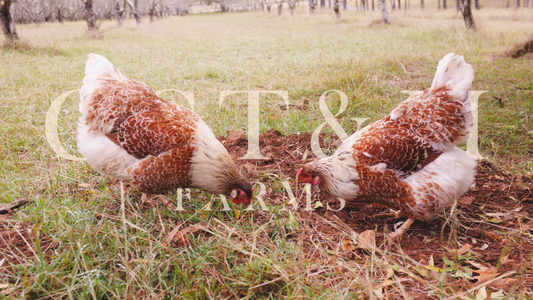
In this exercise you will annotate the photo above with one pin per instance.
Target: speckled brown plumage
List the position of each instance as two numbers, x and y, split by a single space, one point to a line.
408 159
127 131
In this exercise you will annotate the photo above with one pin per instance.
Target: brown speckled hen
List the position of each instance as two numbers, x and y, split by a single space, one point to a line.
408 160
126 131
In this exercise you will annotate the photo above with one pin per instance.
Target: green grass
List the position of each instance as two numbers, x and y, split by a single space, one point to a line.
99 257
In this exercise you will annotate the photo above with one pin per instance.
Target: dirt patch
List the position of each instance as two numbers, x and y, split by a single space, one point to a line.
494 217
522 49
18 245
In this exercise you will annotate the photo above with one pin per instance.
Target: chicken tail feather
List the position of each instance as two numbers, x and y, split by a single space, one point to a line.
456 73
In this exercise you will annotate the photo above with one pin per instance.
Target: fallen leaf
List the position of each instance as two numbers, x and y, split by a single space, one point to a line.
291 217
367 239
516 215
485 274
497 295
467 200
465 248
504 283
481 294
388 271
347 245
237 213
505 260
318 204
179 237
8 291
436 269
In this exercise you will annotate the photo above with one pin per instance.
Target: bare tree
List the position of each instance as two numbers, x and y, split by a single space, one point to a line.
269 4
134 6
120 12
312 6
90 15
444 4
465 6
8 25
292 4
322 3
152 8
280 5
384 11
422 6
336 6
393 4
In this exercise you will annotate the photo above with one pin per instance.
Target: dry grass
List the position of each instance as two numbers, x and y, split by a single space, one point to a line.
258 255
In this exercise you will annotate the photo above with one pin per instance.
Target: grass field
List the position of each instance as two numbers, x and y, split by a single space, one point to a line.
94 254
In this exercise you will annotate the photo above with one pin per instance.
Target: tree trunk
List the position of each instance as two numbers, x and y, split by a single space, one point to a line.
477 3
90 15
336 6
444 4
151 13
312 6
120 13
373 5
344 5
467 14
384 11
291 7
136 12
279 8
393 4
400 5
516 4
422 4
8 25
322 3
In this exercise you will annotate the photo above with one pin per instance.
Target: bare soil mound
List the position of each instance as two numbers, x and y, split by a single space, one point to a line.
522 49
493 217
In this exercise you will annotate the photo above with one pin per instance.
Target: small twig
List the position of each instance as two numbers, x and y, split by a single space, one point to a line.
8 207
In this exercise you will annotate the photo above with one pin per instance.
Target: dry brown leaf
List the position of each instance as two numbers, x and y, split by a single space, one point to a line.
485 274
505 260
347 245
482 294
467 200
367 239
516 215
465 248
504 283
179 237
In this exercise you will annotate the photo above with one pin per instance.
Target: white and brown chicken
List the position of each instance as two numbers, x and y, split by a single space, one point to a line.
408 161
127 132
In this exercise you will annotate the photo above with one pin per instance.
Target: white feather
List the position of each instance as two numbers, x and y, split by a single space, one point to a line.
104 155
455 172
455 72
